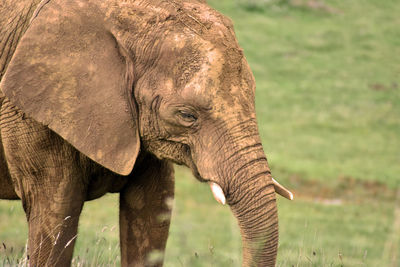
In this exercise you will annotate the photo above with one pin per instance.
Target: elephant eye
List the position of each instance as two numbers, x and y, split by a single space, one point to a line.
187 116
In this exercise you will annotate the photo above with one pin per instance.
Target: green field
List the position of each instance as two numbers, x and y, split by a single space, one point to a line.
328 107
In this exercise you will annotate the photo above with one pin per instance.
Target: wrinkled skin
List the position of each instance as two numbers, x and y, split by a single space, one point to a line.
101 96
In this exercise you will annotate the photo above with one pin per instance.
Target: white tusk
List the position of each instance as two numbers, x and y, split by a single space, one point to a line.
282 190
217 193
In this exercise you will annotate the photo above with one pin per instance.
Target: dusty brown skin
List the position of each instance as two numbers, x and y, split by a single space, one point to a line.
100 96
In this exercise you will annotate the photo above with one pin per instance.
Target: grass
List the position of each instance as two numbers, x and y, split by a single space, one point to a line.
328 107
314 231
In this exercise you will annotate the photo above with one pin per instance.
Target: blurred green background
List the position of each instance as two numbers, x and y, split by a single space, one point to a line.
328 107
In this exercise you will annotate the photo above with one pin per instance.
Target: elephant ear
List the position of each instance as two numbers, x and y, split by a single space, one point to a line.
69 73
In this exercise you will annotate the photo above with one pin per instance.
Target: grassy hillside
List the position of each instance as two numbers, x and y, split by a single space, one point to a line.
328 106
328 87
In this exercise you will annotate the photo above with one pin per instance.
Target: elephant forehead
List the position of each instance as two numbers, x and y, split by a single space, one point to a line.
222 78
208 72
206 75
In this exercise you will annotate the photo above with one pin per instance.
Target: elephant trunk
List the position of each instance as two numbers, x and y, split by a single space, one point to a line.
254 205
241 178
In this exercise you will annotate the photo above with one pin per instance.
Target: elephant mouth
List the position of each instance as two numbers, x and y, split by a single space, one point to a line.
215 188
196 173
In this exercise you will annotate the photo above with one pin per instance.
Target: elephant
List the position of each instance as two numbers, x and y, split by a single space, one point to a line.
104 97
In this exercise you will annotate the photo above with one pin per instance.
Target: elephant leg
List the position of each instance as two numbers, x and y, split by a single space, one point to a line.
145 212
6 186
46 175
53 225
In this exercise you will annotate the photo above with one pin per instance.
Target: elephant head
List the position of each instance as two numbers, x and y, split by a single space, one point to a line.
169 78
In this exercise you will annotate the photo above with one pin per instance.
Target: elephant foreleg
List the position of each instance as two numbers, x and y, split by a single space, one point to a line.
145 211
6 186
53 226
47 176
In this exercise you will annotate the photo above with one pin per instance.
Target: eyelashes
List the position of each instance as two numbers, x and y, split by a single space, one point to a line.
187 116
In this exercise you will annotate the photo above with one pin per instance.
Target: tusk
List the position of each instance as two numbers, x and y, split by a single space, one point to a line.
281 190
217 193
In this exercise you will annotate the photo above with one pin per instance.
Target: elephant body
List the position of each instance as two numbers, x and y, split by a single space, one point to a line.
53 196
14 20
103 96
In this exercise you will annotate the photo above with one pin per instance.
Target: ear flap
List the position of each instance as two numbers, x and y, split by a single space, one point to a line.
69 73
